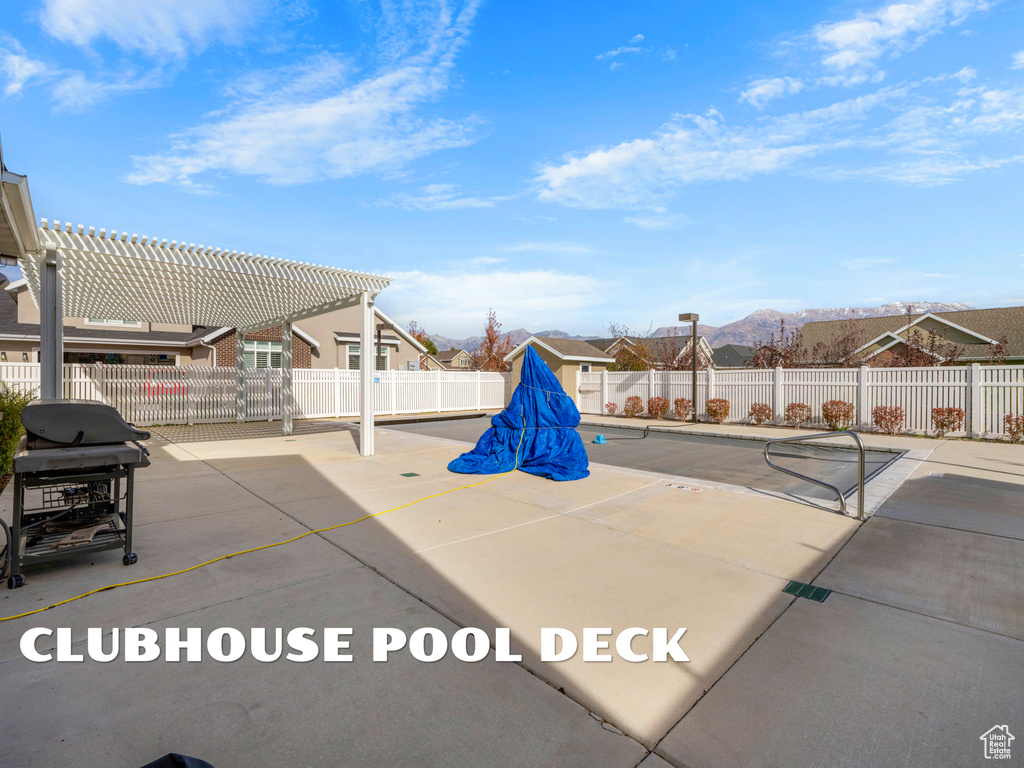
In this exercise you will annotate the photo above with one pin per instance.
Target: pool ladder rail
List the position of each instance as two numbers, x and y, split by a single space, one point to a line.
822 483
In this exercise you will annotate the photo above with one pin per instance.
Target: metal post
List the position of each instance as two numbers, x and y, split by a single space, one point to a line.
366 367
287 379
693 355
51 328
239 376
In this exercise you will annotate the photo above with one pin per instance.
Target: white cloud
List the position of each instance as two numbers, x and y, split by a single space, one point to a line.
19 68
329 129
153 27
557 246
669 54
918 133
1018 60
459 301
658 221
858 265
438 197
622 49
760 92
637 39
858 43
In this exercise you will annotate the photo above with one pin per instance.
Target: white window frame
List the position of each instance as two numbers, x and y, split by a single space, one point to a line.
354 353
118 323
584 367
263 354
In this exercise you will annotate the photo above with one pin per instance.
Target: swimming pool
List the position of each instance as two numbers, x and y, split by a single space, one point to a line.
729 460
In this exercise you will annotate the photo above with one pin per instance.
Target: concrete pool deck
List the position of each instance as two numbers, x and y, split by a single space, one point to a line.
618 549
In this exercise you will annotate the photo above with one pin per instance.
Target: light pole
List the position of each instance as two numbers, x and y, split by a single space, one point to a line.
692 317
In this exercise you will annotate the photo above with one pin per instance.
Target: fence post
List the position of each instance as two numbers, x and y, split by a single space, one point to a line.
479 379
190 393
711 387
439 391
604 390
337 393
778 406
976 426
394 391
650 385
98 383
863 405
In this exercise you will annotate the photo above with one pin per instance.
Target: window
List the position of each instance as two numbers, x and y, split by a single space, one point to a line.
584 367
107 321
263 354
464 362
353 358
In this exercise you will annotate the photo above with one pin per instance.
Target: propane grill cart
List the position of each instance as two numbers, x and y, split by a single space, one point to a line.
74 477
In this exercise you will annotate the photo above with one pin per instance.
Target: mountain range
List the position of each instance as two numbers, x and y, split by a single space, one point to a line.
754 327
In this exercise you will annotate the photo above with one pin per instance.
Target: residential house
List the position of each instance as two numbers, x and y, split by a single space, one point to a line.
565 357
976 331
660 350
330 340
452 360
732 356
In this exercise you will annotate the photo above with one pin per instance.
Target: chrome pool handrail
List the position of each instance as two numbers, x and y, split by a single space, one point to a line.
823 484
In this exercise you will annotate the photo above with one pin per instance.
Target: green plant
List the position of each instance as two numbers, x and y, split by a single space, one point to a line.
947 420
683 408
797 414
760 413
718 410
888 418
11 403
657 407
838 414
1014 427
634 406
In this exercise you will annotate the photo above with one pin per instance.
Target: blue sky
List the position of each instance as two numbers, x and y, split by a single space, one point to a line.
568 164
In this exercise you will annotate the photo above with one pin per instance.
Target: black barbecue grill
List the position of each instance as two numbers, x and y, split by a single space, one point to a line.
69 472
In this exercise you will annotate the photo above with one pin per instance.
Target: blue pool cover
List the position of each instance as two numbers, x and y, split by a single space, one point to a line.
541 422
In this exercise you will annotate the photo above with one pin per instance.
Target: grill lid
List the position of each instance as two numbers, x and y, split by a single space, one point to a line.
61 423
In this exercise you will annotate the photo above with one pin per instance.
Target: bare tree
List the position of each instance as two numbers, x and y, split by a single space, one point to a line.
490 355
421 336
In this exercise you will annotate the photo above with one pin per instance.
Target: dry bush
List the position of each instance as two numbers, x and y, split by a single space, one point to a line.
1014 427
761 413
657 407
718 410
888 418
611 408
838 414
947 420
797 414
683 408
634 406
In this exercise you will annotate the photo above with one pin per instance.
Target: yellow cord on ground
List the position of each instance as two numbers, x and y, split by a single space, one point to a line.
515 466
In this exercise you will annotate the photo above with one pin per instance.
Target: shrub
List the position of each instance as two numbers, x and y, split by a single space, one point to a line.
718 410
947 420
634 406
1014 427
11 403
760 413
797 414
683 408
888 418
611 408
657 407
838 414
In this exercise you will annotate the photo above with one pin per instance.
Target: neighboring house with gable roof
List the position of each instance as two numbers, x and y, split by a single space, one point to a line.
565 358
450 360
659 347
977 331
732 356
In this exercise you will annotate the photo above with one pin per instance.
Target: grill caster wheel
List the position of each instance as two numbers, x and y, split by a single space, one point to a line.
130 558
13 582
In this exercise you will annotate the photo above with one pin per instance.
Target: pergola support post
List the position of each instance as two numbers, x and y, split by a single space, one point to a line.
287 378
366 369
51 327
239 376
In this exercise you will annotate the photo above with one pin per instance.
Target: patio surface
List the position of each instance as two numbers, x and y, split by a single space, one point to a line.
618 549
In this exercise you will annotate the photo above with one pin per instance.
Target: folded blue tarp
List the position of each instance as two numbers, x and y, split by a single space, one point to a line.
540 422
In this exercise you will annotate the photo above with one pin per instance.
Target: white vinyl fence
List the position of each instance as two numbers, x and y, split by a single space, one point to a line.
148 394
986 393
